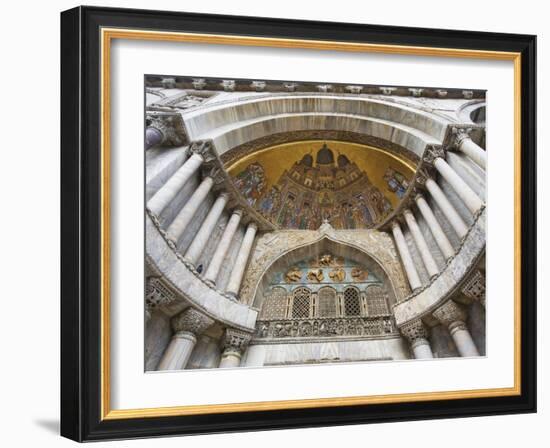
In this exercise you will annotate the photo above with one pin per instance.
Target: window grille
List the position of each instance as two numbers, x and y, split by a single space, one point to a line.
301 303
327 302
377 301
352 304
275 304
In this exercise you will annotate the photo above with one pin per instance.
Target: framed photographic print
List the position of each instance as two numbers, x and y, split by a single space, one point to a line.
277 224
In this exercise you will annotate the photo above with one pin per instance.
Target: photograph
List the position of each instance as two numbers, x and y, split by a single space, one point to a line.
291 223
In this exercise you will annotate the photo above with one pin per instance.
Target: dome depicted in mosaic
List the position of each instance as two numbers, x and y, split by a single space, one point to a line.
321 185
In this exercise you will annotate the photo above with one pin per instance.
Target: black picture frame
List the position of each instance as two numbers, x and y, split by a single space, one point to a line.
81 224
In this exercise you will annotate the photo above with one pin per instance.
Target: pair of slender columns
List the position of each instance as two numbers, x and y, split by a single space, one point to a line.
408 263
425 254
467 146
171 188
454 317
187 326
435 228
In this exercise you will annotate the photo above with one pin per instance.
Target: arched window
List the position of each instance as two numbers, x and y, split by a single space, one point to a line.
275 304
352 303
300 303
377 301
327 302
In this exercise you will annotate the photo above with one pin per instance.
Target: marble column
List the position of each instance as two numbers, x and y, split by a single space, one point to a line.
425 254
435 228
187 326
466 145
215 264
207 227
461 188
234 344
187 212
416 334
236 277
454 318
403 249
447 208
171 188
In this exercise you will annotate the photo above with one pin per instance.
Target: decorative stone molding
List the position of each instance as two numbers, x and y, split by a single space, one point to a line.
416 92
199 83
325 327
191 321
170 125
415 332
468 94
290 86
258 86
452 315
228 85
388 90
235 341
168 83
354 89
324 88
474 287
441 93
204 148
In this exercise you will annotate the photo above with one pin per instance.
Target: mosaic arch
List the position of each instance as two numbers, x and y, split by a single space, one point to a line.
299 185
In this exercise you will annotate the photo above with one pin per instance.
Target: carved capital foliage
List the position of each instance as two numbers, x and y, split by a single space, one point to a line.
459 135
191 321
451 315
157 293
204 148
433 152
474 288
170 125
235 340
414 331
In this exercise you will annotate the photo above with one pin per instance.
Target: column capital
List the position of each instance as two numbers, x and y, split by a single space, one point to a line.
432 153
203 148
191 321
458 135
237 211
474 288
235 341
170 125
157 293
451 315
415 332
252 225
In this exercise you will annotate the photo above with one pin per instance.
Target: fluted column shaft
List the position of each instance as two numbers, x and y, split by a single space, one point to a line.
237 272
186 326
454 317
215 264
425 254
171 188
184 217
435 228
207 227
447 208
475 152
462 189
408 264
416 334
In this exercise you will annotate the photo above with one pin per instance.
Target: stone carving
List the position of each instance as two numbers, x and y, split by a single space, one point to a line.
228 85
354 89
441 93
359 274
388 90
416 92
433 152
157 293
325 260
199 83
294 275
315 275
258 86
459 135
324 88
415 332
326 327
337 275
235 341
191 321
452 315
170 125
468 94
203 148
474 288
290 86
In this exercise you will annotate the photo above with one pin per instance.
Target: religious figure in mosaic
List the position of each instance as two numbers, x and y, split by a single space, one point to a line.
251 182
396 182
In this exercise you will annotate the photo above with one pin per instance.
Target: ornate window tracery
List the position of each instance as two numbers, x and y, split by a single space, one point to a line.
352 303
377 301
327 302
301 302
276 304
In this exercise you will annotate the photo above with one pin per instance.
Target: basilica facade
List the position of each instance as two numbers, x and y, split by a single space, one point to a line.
296 223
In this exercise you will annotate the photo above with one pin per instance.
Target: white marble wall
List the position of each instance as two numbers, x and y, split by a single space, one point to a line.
326 351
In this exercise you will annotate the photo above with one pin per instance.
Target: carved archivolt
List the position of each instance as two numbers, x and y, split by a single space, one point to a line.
271 246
